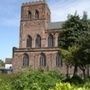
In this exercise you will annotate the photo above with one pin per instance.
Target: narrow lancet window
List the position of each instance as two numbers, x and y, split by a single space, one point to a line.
29 41
25 60
42 60
38 41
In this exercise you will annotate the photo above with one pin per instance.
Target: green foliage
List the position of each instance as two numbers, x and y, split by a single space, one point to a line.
1 63
75 30
69 54
5 85
37 80
68 86
76 80
75 42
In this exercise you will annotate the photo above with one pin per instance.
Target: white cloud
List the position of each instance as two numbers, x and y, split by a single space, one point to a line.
60 9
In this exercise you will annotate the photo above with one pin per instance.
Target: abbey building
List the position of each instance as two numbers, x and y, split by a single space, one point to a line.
38 47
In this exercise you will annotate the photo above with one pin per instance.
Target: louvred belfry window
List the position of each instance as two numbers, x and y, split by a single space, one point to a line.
29 41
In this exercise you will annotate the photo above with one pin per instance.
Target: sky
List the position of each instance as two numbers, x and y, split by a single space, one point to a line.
10 19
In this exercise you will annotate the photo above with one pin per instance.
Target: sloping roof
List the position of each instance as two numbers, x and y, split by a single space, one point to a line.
55 25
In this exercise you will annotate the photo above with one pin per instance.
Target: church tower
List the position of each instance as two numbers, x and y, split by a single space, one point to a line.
34 18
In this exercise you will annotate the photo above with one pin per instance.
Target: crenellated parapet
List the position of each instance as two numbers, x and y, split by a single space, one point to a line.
34 2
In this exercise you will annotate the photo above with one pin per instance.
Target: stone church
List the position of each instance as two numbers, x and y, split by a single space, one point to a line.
38 46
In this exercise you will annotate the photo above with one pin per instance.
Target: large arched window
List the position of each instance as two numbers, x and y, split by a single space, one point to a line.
37 14
29 14
58 60
50 40
25 60
29 41
42 60
38 41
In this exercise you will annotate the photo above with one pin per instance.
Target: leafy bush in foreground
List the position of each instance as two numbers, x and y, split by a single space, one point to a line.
38 80
74 80
5 85
68 86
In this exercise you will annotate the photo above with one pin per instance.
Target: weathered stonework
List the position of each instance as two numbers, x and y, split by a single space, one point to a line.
33 26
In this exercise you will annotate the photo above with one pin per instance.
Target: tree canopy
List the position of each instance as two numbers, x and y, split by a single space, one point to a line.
75 41
1 63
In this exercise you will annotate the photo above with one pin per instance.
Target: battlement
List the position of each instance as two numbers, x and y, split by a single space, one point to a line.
34 2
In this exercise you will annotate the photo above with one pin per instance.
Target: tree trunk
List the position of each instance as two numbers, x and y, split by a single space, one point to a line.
83 68
67 74
84 75
75 70
87 70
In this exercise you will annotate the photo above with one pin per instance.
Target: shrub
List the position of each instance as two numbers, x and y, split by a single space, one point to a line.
5 85
68 86
36 80
75 80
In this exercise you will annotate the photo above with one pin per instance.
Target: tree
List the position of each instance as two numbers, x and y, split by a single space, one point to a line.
68 56
1 63
75 36
70 33
83 55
